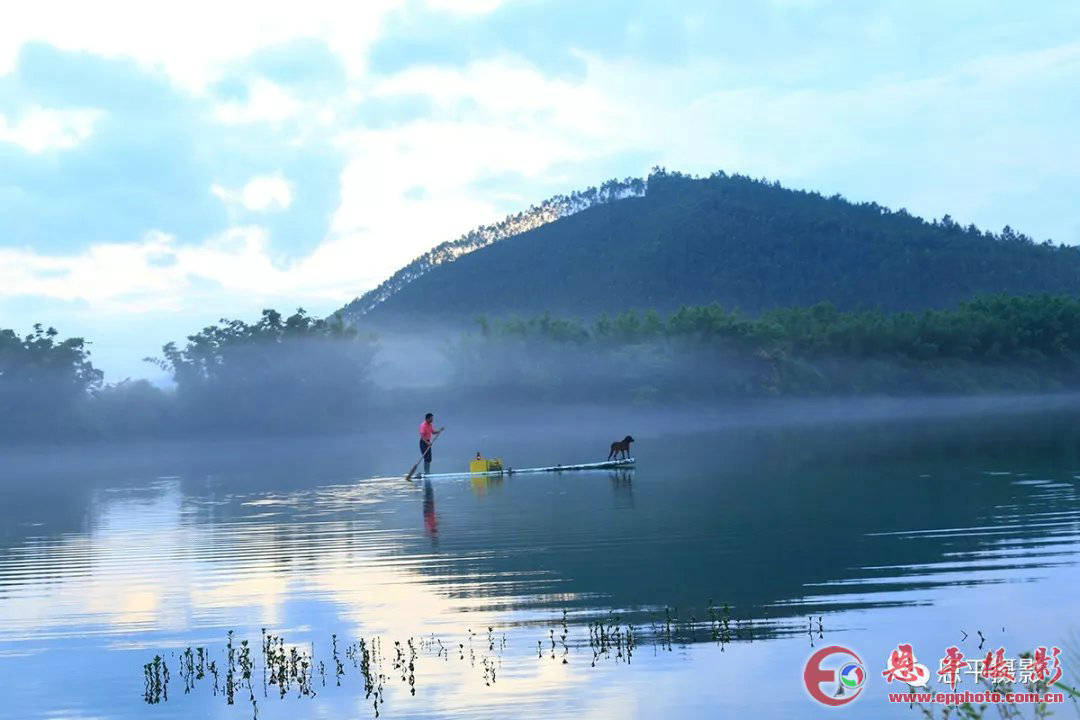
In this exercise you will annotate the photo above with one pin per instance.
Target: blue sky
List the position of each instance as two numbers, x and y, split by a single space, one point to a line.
165 168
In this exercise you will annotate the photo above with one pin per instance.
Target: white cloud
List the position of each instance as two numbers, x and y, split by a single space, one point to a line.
154 274
40 129
268 192
465 7
265 103
262 193
192 41
519 122
234 268
103 275
513 92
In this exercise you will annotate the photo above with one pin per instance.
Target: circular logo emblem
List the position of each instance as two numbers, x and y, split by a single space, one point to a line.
852 675
834 675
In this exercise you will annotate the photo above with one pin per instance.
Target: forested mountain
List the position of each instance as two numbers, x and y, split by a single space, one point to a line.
742 243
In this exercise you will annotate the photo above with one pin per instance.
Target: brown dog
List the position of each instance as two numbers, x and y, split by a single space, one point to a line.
621 446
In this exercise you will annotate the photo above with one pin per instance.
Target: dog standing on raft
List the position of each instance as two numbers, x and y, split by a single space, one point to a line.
620 446
427 433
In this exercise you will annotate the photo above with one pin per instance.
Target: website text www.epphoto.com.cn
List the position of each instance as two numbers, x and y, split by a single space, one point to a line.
975 696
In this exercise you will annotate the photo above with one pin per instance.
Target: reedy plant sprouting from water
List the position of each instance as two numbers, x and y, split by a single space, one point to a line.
292 667
611 635
230 654
412 668
156 673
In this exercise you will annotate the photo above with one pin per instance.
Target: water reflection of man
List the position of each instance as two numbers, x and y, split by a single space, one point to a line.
430 521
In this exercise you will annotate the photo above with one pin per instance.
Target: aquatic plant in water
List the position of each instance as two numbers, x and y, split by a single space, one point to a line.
293 669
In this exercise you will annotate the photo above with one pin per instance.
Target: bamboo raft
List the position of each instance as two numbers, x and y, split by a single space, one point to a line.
606 465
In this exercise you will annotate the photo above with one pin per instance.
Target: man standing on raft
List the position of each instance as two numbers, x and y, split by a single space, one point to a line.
427 432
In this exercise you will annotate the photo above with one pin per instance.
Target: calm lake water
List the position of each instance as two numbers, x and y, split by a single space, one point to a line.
778 530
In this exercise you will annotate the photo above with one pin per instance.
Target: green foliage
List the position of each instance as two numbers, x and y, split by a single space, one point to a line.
132 408
991 342
295 373
44 382
1036 328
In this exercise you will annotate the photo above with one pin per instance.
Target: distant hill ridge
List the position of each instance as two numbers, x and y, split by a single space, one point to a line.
674 240
549 210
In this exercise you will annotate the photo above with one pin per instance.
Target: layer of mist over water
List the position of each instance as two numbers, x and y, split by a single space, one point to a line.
298 377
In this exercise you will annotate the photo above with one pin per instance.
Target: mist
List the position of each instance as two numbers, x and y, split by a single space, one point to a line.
303 376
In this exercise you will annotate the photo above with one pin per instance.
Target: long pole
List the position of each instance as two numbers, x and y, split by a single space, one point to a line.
412 470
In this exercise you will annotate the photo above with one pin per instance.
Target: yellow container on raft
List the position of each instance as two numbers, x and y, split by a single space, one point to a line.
479 465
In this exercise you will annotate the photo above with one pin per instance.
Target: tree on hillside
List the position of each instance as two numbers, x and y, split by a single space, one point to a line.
278 373
44 382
